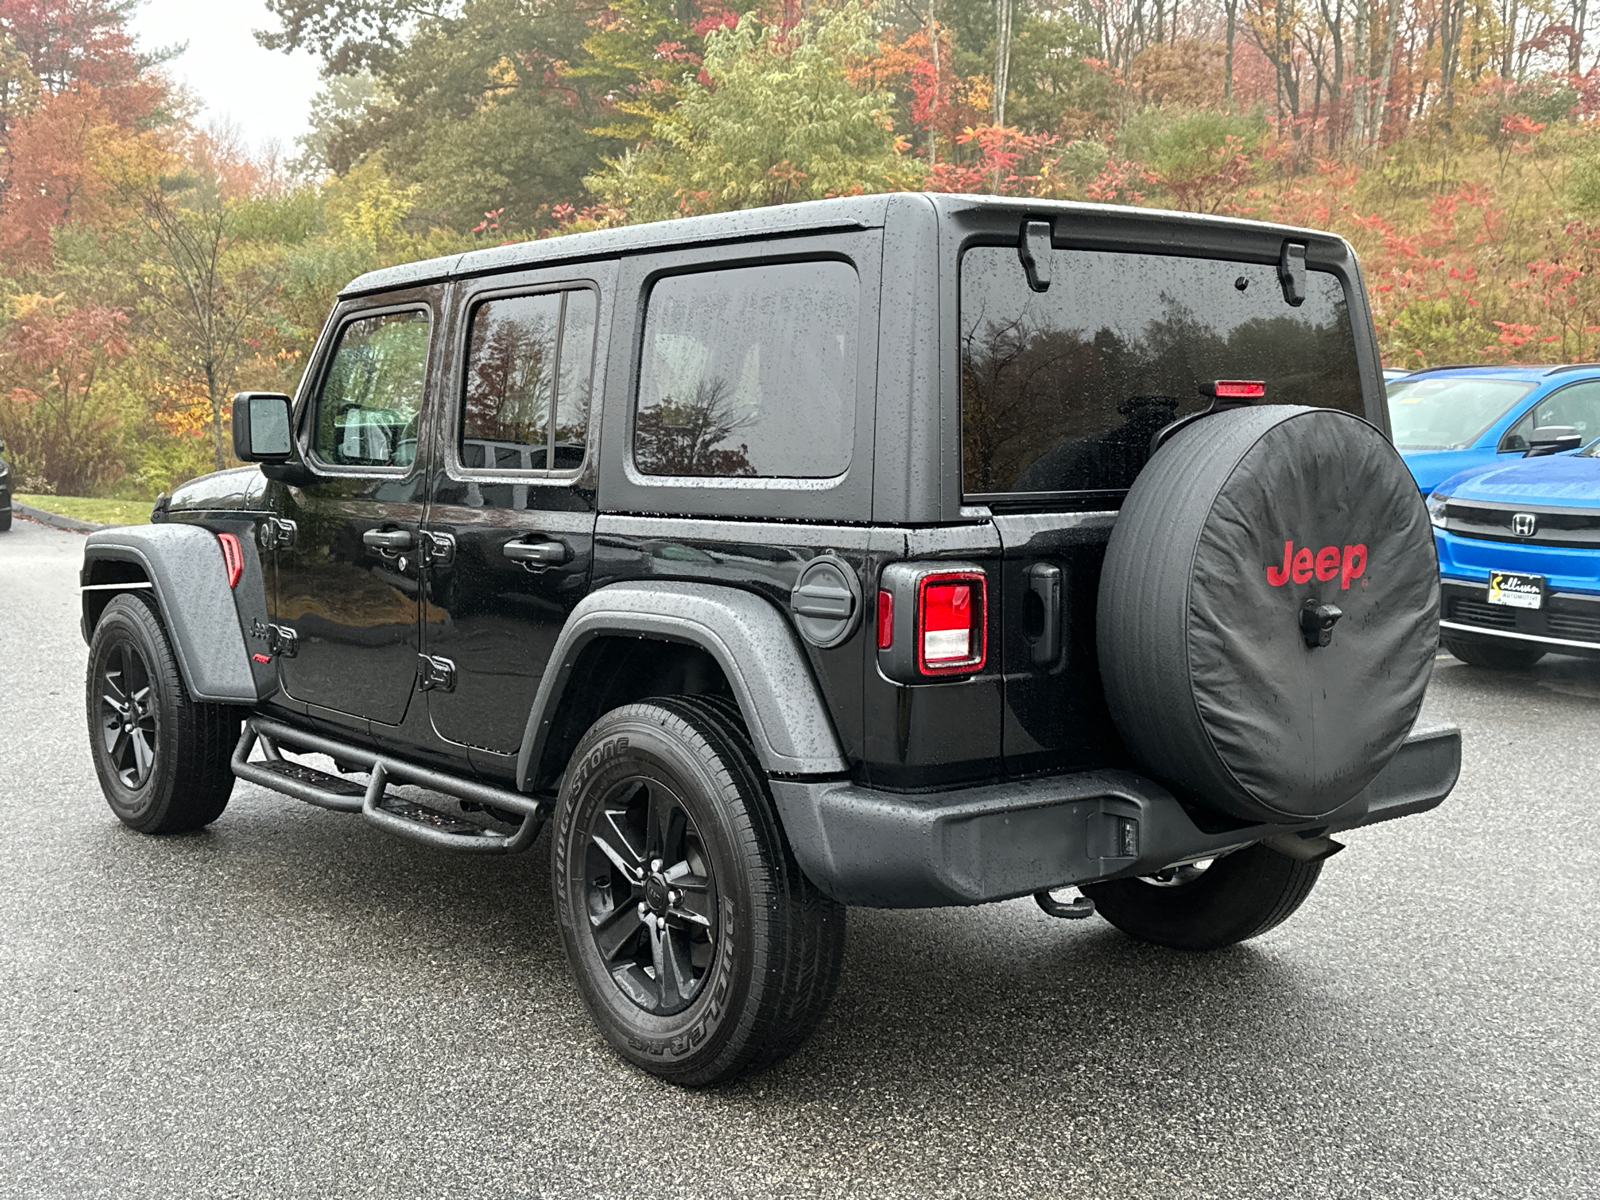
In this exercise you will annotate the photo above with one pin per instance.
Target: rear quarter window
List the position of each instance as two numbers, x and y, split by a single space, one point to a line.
749 371
1061 390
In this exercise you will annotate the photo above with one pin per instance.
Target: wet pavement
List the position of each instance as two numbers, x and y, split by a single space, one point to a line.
293 1003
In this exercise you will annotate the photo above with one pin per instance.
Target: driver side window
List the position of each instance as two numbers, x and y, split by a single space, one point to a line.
370 405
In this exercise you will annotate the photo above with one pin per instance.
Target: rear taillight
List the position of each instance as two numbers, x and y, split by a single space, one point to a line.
951 622
232 557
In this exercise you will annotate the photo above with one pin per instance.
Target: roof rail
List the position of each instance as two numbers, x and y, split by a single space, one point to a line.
1572 367
1457 367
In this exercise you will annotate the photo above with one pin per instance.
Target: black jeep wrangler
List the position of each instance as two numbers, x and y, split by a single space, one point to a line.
897 551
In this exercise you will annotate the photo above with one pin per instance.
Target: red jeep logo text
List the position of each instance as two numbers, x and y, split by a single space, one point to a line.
1300 565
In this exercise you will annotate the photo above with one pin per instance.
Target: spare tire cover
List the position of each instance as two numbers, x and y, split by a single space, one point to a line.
1231 527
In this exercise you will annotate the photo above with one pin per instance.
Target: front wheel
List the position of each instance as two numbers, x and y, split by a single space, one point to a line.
162 758
700 949
1208 906
1494 656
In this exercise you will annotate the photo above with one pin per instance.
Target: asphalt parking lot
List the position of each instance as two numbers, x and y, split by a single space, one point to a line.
293 1003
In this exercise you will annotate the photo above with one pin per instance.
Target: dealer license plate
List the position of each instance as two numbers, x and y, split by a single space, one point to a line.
1516 590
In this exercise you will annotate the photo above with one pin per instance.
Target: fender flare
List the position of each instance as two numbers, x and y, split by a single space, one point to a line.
749 639
185 568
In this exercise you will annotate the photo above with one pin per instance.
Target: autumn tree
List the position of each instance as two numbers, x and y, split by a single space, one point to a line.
777 118
203 284
54 416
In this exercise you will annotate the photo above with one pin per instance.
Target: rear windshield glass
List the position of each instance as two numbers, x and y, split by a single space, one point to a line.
1061 390
1447 414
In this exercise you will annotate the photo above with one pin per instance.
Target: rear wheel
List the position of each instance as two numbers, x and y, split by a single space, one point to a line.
1494 656
5 518
700 949
1208 906
163 760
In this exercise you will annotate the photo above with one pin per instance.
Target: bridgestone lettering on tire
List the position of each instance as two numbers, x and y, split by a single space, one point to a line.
162 759
699 948
1231 529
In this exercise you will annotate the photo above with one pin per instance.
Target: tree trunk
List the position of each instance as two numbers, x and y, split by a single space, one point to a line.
1002 58
216 414
1231 7
933 103
1393 18
1361 77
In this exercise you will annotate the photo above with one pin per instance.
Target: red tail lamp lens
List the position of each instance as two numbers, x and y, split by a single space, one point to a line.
1239 389
951 623
885 620
232 557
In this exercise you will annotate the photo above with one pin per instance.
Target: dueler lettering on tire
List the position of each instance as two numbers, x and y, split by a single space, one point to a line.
1235 528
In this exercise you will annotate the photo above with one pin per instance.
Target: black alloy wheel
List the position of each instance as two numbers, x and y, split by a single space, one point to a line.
698 946
652 895
162 758
128 718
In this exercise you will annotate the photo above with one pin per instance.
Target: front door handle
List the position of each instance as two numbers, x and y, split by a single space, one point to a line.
534 555
393 540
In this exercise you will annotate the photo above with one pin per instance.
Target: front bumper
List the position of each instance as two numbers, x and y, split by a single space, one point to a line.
884 850
1569 622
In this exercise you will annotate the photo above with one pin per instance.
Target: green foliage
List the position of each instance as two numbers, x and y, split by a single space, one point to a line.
1583 186
1052 87
1172 141
480 112
779 120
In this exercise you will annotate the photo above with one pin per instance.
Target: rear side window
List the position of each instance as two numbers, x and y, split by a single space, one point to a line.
1061 390
749 371
525 406
371 398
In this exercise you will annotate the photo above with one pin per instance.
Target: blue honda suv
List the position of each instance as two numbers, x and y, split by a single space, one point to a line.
1447 419
1519 555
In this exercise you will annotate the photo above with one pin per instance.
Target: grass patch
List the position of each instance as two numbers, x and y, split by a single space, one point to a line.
105 512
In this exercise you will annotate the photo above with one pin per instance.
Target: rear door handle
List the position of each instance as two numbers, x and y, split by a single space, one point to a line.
533 555
388 539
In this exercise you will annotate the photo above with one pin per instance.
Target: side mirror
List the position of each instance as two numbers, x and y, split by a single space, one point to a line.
261 427
1552 439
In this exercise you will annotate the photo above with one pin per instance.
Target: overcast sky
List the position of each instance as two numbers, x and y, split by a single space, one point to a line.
265 92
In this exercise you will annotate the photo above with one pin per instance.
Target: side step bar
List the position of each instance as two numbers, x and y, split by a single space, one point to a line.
399 816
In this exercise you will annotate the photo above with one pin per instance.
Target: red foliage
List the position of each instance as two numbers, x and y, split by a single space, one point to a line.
71 42
53 173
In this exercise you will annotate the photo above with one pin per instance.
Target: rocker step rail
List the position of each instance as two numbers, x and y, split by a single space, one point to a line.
403 817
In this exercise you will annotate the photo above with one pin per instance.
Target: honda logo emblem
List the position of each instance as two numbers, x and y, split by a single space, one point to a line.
1523 524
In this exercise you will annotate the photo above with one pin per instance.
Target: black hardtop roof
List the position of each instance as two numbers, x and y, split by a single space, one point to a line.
849 212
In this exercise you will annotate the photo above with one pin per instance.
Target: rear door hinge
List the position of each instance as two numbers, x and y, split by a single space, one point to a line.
435 674
282 641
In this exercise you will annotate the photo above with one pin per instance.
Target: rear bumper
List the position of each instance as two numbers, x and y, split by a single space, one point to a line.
1569 622
884 850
